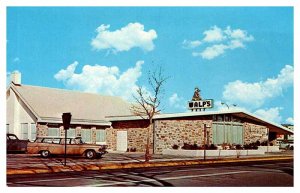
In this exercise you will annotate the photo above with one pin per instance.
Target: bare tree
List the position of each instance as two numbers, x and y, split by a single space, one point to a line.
148 102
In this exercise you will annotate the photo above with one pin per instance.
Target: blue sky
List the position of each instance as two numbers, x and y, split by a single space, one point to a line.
237 55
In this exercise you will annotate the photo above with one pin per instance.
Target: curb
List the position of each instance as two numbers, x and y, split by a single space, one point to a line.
95 167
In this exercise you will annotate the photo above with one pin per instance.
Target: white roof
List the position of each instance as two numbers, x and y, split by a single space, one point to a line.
48 104
239 113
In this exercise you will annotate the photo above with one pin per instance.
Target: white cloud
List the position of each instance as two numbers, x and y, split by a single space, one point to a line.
101 79
218 41
290 120
212 52
253 95
177 102
16 59
130 36
191 44
271 114
67 73
238 34
214 34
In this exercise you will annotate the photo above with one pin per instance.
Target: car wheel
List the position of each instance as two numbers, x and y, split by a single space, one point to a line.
45 153
90 154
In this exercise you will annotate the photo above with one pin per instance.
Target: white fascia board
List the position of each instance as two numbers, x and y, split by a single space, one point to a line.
269 122
75 121
169 115
125 118
12 86
193 114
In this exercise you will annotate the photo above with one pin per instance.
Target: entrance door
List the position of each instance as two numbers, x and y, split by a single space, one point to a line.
121 140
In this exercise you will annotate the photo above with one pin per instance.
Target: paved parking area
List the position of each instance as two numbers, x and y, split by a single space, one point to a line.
17 161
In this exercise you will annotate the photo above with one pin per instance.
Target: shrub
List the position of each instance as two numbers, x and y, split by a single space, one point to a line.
238 147
250 146
186 146
190 147
213 147
195 146
175 146
265 143
257 143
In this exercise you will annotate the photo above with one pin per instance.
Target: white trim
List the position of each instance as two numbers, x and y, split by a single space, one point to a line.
12 86
194 114
75 121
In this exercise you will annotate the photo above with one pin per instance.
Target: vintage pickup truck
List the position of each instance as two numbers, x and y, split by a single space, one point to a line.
15 145
46 146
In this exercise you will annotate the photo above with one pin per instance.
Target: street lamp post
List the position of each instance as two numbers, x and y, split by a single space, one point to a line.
205 139
66 117
222 103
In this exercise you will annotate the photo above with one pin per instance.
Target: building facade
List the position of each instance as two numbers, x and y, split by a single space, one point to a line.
201 128
36 112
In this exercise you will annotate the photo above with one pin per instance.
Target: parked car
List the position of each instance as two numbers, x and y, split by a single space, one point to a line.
285 145
46 146
14 144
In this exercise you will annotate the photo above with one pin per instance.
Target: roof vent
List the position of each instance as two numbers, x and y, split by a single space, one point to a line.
15 77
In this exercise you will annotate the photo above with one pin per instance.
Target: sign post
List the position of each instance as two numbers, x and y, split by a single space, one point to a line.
66 117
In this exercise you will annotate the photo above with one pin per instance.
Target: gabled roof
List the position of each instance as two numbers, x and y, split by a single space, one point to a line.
239 113
48 104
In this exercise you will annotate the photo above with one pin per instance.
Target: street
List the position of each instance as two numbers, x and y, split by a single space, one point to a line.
258 174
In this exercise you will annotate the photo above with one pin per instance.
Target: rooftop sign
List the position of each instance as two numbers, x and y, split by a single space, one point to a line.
197 103
201 104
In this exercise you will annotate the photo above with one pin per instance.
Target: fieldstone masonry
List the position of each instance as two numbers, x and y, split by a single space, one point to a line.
42 130
168 132
178 132
136 135
253 133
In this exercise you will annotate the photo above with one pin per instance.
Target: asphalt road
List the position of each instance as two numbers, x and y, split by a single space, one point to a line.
267 174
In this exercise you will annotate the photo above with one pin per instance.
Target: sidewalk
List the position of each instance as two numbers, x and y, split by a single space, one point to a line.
31 164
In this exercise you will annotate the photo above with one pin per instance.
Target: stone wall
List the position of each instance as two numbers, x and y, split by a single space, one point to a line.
111 139
42 130
178 132
136 135
137 139
253 133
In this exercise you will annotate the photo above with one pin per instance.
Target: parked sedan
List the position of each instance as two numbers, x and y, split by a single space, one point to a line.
14 144
46 146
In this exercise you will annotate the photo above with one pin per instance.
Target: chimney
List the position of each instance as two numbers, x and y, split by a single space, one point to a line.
15 77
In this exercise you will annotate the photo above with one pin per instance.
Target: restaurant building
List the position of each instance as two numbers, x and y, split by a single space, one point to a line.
34 111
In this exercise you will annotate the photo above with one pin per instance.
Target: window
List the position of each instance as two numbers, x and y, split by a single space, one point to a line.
220 118
86 135
71 132
100 135
227 118
53 132
32 132
227 133
7 128
24 130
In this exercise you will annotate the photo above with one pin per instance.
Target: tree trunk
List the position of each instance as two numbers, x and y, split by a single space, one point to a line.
147 152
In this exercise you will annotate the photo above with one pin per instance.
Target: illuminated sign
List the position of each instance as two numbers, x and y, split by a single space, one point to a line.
201 104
